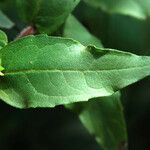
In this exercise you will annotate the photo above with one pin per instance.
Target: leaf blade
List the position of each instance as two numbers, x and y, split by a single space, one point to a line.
55 68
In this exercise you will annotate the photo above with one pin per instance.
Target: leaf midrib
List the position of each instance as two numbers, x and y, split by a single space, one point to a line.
69 70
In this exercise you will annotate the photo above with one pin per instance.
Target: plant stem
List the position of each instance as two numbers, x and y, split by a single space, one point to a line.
29 30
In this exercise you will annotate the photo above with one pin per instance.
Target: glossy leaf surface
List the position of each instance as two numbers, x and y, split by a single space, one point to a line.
44 71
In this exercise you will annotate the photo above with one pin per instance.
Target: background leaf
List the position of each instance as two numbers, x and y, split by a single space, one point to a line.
136 8
75 30
5 22
55 68
46 15
131 34
104 119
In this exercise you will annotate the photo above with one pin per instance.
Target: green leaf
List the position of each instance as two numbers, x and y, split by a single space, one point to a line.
136 8
104 119
74 29
5 22
3 39
47 15
44 71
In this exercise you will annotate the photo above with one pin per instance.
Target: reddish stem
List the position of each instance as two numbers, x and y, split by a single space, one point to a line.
29 30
